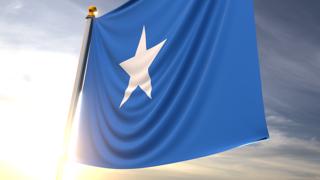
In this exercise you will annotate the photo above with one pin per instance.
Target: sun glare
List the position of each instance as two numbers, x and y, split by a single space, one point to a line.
35 91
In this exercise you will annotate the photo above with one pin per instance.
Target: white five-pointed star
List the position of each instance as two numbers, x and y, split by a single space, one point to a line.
137 68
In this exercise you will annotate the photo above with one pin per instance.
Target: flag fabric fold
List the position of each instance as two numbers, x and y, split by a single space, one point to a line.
168 81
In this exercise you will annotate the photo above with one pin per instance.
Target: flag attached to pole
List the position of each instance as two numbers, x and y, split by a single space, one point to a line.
168 81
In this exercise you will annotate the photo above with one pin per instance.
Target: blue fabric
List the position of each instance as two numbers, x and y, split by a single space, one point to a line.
206 88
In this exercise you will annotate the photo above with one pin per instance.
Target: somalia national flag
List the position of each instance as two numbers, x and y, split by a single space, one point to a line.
170 80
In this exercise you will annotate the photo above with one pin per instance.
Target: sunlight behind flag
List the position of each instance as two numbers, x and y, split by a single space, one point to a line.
33 103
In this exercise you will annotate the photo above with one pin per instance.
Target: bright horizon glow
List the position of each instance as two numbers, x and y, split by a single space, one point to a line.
34 98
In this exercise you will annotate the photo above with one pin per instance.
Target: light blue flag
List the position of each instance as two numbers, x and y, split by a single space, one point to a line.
170 80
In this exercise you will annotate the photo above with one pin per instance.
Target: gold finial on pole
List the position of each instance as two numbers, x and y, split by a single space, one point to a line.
93 11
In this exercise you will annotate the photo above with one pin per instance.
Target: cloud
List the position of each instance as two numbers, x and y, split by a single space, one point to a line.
46 25
289 43
13 7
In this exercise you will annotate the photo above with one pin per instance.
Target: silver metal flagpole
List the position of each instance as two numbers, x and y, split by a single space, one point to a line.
76 90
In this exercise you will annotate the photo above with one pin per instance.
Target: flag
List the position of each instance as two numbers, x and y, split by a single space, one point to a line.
169 81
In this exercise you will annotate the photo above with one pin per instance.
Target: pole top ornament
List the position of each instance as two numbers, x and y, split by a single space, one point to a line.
92 11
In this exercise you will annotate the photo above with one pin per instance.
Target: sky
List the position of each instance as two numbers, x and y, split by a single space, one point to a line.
40 43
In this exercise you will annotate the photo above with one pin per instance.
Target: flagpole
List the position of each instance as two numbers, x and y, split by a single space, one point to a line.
82 65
